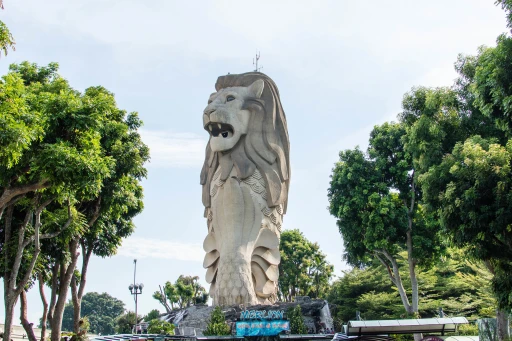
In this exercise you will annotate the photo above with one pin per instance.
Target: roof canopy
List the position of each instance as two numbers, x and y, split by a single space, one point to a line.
432 325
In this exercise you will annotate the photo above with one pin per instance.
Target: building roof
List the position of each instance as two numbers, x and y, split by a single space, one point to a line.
407 326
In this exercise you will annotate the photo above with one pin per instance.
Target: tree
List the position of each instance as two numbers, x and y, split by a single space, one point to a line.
217 325
466 186
126 322
101 311
474 187
75 161
303 269
153 314
57 163
378 205
184 292
157 326
297 324
110 213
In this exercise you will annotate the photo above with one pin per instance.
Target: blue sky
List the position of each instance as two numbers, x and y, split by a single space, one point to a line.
341 68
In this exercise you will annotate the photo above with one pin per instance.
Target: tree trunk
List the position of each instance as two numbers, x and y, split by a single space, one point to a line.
44 319
9 315
410 259
394 276
502 325
56 321
55 288
77 306
77 291
23 317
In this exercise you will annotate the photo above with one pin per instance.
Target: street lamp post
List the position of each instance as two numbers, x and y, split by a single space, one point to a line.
135 290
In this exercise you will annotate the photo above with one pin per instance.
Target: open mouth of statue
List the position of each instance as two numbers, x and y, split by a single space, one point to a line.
220 129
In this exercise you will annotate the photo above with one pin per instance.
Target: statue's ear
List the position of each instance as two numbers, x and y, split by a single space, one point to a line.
256 88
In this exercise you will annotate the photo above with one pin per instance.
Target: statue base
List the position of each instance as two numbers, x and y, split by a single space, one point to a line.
193 320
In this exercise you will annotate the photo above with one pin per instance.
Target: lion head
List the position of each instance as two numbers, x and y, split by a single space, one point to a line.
247 127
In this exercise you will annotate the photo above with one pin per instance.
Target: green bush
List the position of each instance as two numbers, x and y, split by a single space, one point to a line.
157 326
468 329
217 325
297 325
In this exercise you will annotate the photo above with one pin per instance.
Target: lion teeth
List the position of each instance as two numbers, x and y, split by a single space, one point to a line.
210 127
219 126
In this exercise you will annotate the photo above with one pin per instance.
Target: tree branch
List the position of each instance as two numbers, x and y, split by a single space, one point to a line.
398 280
63 228
388 268
19 252
36 237
96 213
44 319
10 192
10 203
55 284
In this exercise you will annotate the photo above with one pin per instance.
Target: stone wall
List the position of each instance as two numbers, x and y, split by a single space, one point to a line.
315 312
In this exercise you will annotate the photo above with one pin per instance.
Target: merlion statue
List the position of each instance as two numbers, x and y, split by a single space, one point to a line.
245 179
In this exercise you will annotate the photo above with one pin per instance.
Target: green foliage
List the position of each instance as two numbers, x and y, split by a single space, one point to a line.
468 329
101 311
304 269
507 6
217 325
6 39
184 292
125 323
297 324
19 126
157 326
460 287
464 151
370 194
153 314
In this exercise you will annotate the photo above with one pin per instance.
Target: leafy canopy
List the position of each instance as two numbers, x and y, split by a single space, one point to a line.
304 269
101 311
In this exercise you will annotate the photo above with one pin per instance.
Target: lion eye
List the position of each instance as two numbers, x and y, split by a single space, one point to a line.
230 98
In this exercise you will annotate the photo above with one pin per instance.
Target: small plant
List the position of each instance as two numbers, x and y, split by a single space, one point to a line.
157 326
217 325
468 329
297 325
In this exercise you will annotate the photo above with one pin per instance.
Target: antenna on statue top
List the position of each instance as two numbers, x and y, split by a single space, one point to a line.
255 62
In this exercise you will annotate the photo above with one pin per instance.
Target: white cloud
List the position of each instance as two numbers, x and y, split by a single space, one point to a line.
153 248
170 150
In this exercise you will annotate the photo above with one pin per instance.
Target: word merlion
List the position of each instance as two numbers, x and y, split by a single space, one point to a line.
245 179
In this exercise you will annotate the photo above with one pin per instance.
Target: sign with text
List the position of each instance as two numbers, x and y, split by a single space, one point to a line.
261 314
261 328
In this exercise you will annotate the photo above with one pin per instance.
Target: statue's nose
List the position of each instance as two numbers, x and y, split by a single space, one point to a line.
208 112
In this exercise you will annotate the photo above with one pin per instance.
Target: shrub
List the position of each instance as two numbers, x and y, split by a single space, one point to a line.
297 325
217 324
157 326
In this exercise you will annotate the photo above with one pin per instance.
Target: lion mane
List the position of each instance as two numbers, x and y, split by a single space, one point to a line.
265 147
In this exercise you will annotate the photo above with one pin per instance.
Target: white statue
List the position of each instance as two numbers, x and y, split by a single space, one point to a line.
245 180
